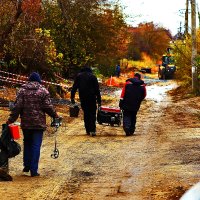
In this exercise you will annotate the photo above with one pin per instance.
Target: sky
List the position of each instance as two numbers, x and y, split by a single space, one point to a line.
167 13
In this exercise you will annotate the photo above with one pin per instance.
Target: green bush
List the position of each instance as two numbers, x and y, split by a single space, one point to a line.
52 90
107 70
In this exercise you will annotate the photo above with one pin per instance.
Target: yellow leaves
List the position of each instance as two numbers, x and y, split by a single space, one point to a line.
87 58
44 36
60 56
44 32
38 30
75 61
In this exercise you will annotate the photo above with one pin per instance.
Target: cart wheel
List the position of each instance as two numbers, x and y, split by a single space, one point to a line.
111 124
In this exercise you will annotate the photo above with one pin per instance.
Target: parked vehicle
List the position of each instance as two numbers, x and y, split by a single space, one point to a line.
167 68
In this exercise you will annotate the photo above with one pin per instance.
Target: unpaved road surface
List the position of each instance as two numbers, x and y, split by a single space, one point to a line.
161 161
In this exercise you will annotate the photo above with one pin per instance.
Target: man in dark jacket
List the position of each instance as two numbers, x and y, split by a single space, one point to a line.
32 104
89 95
132 95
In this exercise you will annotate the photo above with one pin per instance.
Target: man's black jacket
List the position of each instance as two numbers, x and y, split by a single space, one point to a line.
88 87
132 94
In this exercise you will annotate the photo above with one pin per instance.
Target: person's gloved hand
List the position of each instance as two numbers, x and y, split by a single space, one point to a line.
57 121
72 101
121 102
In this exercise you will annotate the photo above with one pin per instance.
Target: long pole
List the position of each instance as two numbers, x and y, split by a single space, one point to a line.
186 18
194 47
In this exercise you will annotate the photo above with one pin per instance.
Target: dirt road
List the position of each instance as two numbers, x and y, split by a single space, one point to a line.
159 162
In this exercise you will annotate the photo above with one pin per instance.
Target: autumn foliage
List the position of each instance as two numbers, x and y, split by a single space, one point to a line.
32 9
64 35
148 39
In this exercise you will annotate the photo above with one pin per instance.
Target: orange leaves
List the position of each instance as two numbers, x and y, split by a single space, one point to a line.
32 9
115 82
149 38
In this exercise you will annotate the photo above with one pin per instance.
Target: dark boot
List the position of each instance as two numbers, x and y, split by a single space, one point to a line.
4 168
132 132
4 176
4 160
26 169
93 133
126 130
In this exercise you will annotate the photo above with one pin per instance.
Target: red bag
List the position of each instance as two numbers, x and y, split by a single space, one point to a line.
14 130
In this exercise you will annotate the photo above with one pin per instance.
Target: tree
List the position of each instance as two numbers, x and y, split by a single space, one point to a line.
57 36
8 19
27 47
87 32
183 53
111 42
148 38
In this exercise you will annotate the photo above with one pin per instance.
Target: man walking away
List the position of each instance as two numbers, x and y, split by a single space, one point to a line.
132 95
89 94
32 104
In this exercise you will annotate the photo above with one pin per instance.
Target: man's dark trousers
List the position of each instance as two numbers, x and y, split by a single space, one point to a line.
89 110
129 121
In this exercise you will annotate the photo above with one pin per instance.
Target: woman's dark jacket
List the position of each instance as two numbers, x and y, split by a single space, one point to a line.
32 103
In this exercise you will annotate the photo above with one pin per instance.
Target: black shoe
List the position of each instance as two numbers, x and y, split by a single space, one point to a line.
34 174
92 134
26 169
4 176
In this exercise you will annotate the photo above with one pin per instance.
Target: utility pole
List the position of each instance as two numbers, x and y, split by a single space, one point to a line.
186 18
194 47
180 28
198 15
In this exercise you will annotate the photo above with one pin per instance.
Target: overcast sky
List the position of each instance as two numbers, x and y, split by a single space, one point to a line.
167 13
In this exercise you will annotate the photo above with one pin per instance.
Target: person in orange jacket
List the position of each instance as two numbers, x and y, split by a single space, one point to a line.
131 98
